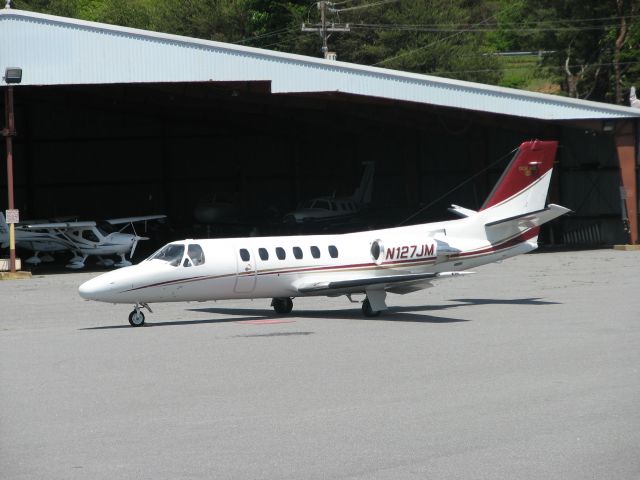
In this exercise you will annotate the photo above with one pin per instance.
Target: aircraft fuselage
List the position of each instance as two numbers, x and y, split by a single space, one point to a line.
268 267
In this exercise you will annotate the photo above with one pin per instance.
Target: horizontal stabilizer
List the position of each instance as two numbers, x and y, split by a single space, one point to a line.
532 219
461 211
360 284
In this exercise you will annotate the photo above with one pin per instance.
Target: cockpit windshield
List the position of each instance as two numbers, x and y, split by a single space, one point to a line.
172 254
196 254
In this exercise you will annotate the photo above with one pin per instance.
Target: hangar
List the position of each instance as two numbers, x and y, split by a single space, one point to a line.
114 121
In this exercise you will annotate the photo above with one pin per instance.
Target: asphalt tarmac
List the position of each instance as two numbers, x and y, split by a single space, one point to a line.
529 370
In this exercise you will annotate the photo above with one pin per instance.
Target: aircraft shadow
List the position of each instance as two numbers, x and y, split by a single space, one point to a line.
171 323
491 301
394 314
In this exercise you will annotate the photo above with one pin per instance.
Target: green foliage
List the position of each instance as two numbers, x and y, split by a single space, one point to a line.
580 37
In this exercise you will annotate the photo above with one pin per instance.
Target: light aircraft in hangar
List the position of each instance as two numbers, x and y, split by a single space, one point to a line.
332 208
82 238
396 260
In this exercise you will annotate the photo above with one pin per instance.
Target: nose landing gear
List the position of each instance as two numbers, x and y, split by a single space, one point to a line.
136 317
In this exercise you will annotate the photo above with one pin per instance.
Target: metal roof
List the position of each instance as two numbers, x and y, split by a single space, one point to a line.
62 51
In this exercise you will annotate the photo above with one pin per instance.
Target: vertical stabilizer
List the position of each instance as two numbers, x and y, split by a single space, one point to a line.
362 195
523 186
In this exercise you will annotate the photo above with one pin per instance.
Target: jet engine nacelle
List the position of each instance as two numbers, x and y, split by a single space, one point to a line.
403 249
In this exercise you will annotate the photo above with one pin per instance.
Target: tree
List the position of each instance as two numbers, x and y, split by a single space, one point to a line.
437 38
592 44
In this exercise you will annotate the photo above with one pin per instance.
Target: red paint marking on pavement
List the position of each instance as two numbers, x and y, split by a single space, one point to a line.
263 322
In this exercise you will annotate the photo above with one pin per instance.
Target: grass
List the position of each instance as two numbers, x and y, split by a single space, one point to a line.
523 72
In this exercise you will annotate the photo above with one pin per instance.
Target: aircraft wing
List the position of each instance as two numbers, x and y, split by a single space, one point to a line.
119 221
387 282
56 225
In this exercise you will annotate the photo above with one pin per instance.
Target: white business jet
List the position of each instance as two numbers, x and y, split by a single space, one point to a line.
82 238
396 260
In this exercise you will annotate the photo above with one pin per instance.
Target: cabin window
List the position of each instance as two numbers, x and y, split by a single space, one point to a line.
264 255
333 251
315 252
280 253
297 252
323 204
172 254
89 235
244 255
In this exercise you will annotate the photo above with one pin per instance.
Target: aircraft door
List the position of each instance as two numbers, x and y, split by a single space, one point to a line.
246 271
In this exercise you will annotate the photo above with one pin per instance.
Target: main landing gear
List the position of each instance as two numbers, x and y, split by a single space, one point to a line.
374 303
367 311
136 318
282 306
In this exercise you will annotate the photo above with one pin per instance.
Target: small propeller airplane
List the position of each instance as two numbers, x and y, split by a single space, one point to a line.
82 238
397 260
332 208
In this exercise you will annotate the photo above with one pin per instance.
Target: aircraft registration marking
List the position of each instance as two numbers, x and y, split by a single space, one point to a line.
410 251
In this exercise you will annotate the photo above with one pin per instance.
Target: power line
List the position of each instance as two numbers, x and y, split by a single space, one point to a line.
441 39
471 29
517 24
264 35
359 7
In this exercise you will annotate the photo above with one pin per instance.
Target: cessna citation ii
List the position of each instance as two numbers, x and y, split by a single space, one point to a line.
396 260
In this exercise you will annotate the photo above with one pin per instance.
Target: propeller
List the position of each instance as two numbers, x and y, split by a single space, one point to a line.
136 239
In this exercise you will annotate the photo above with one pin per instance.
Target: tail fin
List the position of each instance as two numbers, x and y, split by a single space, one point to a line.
524 184
516 207
362 195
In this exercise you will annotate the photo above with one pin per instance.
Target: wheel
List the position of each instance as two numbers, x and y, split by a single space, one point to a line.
136 318
367 311
282 305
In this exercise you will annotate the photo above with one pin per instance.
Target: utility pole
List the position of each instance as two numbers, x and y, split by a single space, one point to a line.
9 132
12 75
325 29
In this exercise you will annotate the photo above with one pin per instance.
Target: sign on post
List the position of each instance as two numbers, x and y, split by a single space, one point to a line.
13 216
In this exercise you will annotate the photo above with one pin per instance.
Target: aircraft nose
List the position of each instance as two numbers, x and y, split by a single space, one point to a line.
90 290
109 287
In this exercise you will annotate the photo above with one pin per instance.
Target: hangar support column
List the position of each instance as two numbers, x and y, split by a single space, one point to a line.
626 149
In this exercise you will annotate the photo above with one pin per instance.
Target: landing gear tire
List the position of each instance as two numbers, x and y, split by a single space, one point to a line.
282 306
367 311
136 318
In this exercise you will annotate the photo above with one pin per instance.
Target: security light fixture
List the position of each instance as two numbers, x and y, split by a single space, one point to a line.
13 75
